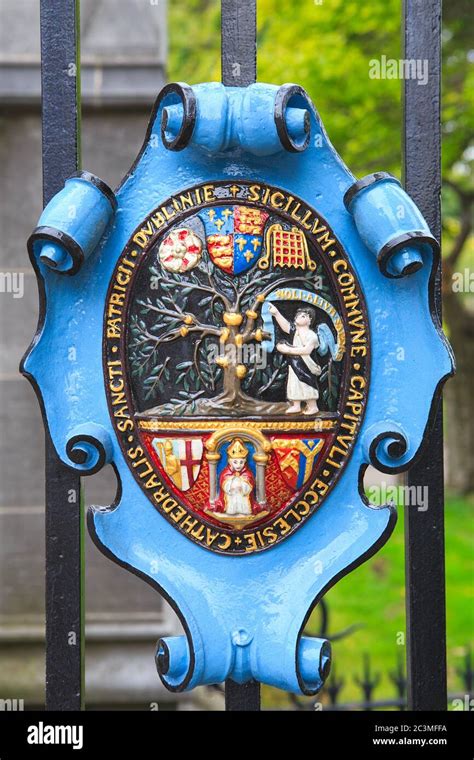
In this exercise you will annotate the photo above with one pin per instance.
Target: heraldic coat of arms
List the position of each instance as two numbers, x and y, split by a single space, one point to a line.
236 349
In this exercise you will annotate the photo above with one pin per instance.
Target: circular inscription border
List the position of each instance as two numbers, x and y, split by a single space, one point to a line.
355 378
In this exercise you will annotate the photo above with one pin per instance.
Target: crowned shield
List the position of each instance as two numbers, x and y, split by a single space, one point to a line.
234 236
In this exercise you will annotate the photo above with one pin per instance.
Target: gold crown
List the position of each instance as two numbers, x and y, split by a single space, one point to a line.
237 450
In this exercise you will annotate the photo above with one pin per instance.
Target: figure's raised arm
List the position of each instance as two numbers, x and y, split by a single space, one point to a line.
282 321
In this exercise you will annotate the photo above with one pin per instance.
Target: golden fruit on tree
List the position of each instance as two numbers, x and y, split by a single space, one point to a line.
232 318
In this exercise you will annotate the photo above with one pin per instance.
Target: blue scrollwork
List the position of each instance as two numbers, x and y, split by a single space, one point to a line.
244 616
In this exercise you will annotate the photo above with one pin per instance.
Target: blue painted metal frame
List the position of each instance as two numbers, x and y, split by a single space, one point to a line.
243 616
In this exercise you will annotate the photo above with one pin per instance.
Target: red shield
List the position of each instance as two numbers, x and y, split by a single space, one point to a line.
297 457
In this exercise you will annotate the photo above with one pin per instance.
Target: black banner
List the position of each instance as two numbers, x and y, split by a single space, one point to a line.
381 734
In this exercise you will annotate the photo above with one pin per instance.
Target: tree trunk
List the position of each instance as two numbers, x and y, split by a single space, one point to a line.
231 384
459 397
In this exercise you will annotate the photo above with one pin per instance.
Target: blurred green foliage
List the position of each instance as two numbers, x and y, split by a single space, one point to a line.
327 48
373 596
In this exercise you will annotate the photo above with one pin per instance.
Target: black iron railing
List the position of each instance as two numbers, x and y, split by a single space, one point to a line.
371 684
60 73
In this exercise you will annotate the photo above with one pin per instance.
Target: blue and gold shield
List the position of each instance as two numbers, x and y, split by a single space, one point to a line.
234 236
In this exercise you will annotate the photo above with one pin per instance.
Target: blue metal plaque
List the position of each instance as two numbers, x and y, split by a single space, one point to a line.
252 327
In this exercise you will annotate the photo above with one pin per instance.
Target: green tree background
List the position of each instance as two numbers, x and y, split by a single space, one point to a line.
327 47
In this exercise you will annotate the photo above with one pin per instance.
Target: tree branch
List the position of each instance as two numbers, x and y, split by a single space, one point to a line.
198 286
175 333
217 294
151 390
178 314
252 336
252 284
209 329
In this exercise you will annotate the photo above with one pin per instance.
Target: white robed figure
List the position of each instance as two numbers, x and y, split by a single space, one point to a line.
303 370
237 491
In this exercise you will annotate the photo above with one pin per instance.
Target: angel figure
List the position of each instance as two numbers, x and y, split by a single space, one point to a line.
303 371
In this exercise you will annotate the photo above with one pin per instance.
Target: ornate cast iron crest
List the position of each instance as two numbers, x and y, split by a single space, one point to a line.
253 327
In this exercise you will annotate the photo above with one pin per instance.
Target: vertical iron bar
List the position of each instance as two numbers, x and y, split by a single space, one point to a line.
60 73
424 531
239 42
242 697
239 69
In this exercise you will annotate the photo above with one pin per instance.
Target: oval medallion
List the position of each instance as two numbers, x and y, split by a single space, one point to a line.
236 360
